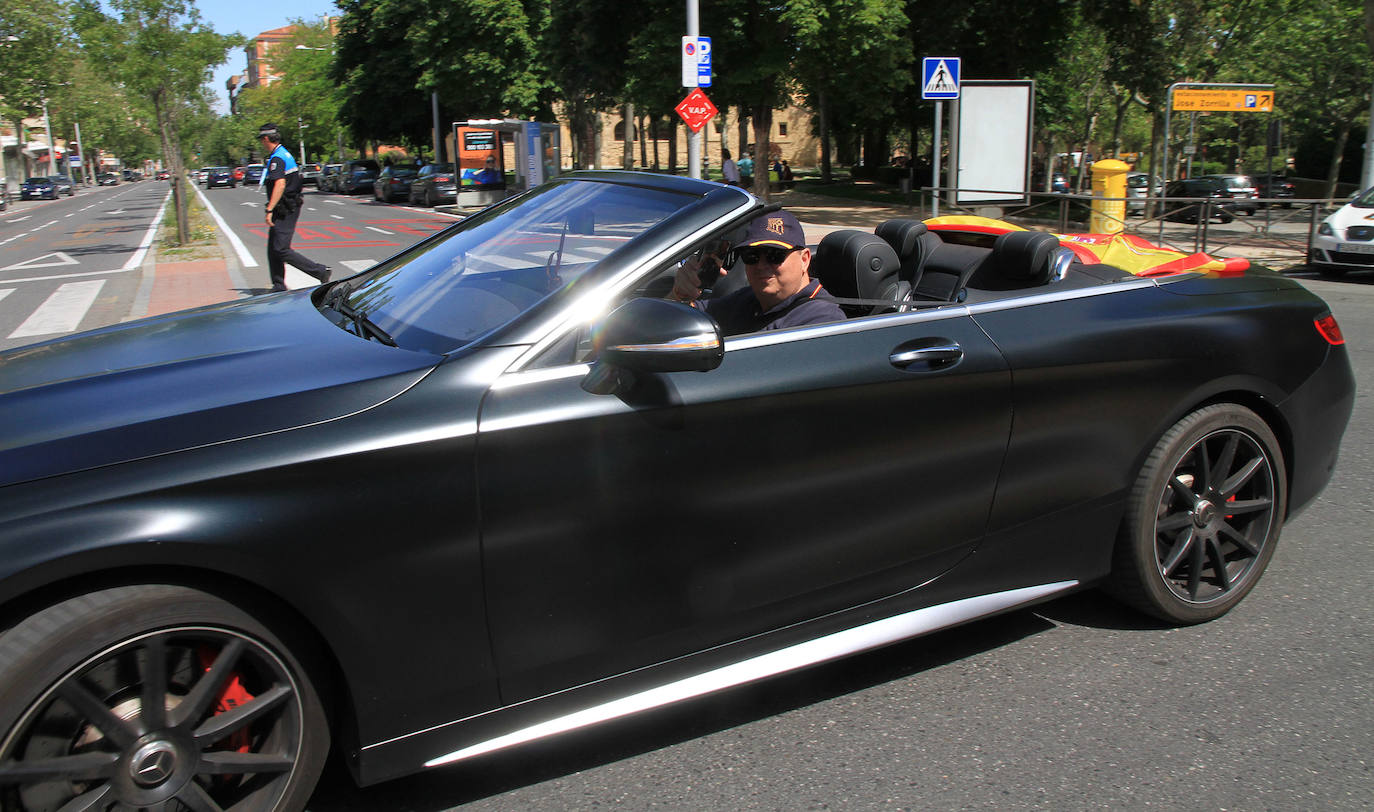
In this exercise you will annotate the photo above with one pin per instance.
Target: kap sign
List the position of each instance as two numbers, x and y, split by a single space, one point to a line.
696 109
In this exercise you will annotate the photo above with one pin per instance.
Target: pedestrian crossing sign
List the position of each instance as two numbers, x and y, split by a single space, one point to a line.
940 77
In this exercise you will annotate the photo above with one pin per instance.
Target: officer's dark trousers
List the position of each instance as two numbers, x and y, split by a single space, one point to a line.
279 252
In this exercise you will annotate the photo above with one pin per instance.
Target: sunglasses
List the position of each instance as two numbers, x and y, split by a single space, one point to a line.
774 256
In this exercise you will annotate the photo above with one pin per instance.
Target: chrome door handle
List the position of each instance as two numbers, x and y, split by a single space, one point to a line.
938 355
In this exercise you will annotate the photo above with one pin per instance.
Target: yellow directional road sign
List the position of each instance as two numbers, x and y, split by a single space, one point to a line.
1253 100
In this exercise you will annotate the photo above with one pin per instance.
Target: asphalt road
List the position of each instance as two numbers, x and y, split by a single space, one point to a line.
1076 704
350 233
72 263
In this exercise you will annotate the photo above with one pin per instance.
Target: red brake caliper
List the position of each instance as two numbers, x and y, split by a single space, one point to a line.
233 695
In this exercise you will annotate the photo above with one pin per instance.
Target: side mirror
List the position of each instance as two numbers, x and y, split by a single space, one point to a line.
648 336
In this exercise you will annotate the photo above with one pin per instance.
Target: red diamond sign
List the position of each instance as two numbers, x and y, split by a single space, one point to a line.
696 109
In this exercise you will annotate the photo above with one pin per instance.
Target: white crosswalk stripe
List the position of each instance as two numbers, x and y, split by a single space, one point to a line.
61 312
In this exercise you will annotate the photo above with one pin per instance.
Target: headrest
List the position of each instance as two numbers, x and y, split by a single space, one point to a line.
903 235
855 265
1024 256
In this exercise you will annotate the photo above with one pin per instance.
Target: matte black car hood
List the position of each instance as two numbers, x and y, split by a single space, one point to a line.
186 379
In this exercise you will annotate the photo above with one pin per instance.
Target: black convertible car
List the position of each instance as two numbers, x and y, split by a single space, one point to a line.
498 488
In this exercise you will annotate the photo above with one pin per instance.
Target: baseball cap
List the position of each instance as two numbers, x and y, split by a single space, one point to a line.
267 129
777 228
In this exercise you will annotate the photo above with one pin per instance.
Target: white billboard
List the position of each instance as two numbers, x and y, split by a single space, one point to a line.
993 121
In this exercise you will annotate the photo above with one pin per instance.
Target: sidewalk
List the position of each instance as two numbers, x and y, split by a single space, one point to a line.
168 286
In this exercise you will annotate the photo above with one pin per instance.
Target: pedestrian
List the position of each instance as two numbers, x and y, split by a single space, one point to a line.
728 170
282 178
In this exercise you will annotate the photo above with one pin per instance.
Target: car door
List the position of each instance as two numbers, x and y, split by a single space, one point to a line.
815 470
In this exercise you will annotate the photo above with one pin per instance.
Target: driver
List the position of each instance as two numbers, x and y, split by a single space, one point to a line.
781 292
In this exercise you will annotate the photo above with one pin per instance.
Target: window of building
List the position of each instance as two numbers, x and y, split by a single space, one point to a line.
782 129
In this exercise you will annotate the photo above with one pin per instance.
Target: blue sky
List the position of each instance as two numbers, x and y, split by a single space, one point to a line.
250 17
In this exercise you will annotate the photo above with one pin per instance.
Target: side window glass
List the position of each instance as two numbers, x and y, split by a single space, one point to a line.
722 269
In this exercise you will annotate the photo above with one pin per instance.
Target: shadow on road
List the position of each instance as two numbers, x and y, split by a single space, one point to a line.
537 762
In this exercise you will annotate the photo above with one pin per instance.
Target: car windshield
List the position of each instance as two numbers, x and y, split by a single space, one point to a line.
495 265
39 180
1364 200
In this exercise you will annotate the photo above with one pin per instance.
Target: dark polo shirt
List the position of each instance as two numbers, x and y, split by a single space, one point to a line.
739 311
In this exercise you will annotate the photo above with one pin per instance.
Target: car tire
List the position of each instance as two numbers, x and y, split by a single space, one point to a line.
429 198
237 705
1330 271
1179 555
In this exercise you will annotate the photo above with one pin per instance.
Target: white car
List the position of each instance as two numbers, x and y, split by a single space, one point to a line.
1138 189
1345 240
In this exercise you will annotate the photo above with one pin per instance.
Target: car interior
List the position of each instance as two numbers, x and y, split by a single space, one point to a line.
904 265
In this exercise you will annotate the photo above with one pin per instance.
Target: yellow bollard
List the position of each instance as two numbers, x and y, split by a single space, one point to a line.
1109 197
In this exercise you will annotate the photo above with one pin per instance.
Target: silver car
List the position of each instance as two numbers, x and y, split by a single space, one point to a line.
1139 188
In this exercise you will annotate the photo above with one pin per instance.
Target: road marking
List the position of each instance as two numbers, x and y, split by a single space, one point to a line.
380 230
249 203
334 202
337 216
245 258
63 311
21 219
59 258
73 214
63 276
356 265
117 211
5 292
137 259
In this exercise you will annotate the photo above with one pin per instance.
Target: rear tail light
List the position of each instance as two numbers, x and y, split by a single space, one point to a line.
443 178
1330 330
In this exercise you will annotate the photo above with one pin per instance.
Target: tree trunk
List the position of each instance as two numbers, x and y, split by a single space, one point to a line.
627 118
653 135
742 131
763 128
672 145
643 145
1337 154
823 114
171 149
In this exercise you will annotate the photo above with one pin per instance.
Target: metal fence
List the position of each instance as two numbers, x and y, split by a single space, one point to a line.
1277 232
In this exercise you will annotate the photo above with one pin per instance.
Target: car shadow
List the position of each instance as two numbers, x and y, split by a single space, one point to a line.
534 763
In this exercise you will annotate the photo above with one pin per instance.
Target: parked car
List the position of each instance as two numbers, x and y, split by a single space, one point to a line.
107 179
198 176
357 176
1345 240
329 178
1190 211
435 184
252 174
38 187
207 585
393 182
1242 190
1139 189
64 185
219 176
163 174
1275 187
238 174
310 174
132 175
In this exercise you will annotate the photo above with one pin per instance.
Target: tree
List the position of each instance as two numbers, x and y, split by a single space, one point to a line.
34 57
161 51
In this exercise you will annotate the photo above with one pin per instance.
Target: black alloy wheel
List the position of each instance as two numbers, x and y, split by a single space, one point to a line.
154 697
1204 517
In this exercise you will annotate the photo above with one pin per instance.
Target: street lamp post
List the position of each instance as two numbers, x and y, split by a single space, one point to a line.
300 132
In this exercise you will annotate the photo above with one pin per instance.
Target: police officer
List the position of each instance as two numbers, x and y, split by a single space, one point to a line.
282 180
